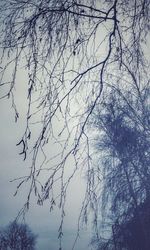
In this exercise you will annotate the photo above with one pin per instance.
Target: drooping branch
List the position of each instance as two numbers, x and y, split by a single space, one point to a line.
72 53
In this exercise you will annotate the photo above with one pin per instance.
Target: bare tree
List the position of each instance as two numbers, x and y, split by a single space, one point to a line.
72 50
123 145
17 237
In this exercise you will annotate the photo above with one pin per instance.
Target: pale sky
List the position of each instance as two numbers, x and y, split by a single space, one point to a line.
41 221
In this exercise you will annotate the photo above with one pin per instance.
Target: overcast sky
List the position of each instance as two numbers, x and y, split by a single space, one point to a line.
41 221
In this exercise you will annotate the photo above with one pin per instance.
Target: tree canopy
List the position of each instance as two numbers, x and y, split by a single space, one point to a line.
17 237
123 143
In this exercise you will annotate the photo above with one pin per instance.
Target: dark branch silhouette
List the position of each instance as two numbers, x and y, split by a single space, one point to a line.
73 53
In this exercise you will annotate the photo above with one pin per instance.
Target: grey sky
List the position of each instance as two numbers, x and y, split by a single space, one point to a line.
42 222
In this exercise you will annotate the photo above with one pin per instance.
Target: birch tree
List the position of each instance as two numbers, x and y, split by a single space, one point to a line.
72 51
